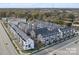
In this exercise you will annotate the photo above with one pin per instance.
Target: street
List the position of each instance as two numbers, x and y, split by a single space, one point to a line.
55 47
6 47
69 49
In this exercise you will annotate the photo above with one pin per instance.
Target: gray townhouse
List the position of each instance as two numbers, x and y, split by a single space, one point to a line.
26 42
46 36
67 32
46 31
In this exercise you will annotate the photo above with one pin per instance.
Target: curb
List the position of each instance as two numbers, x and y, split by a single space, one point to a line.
15 46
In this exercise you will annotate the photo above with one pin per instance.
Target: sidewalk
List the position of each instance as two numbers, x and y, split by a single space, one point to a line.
16 47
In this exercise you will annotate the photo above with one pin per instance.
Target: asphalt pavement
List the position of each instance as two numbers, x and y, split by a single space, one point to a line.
6 46
55 47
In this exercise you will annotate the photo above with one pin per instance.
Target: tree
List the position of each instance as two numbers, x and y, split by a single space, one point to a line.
69 24
61 22
26 18
35 15
72 17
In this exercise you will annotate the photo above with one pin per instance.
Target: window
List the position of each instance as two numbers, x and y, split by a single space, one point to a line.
46 40
26 45
29 46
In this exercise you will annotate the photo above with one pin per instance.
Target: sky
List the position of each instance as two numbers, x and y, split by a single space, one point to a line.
39 5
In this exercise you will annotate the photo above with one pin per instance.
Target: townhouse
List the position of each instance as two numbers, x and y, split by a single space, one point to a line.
26 42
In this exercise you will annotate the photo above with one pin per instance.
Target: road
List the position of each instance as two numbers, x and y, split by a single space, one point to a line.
69 49
55 47
6 47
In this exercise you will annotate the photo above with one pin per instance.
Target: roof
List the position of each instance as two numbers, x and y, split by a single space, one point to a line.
45 32
41 24
20 32
65 29
22 23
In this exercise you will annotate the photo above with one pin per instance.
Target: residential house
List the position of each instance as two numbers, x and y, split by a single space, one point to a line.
26 42
47 36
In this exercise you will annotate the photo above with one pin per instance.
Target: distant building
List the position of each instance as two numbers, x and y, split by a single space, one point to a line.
76 24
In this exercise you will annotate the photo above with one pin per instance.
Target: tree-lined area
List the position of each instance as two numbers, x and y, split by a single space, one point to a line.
51 15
